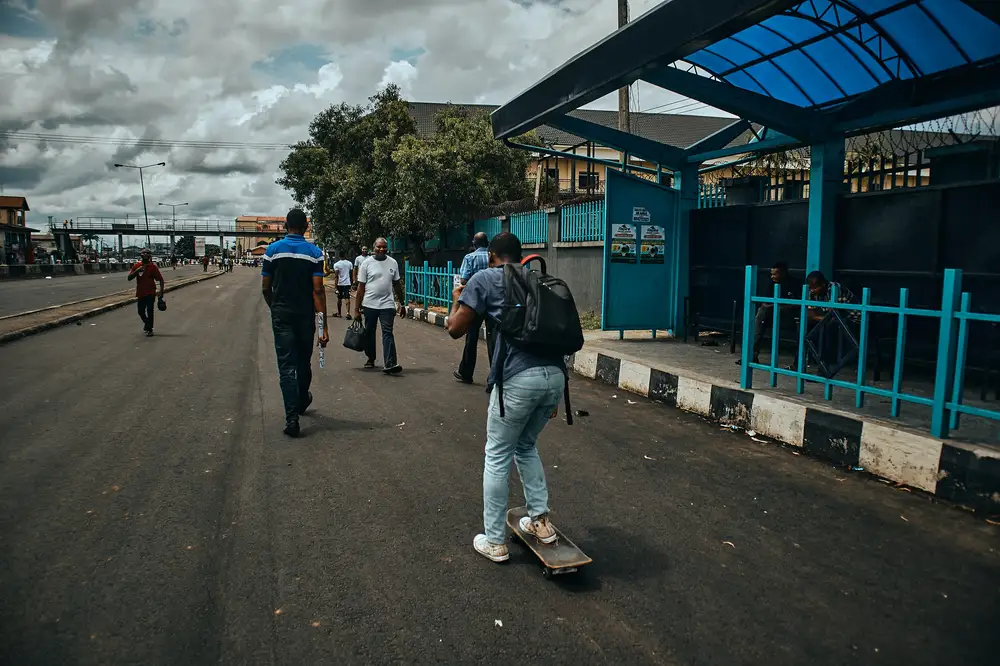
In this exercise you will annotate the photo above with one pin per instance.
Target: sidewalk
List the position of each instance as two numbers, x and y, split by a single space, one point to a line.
705 380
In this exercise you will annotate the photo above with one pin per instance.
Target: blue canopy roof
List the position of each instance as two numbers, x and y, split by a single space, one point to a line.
820 53
807 69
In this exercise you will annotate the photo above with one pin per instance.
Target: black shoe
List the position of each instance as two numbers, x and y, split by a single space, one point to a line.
457 375
393 369
370 363
305 406
348 317
292 429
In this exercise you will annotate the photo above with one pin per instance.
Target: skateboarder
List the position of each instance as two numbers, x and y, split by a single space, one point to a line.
533 387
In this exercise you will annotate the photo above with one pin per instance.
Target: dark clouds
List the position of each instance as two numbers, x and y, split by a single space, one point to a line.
195 70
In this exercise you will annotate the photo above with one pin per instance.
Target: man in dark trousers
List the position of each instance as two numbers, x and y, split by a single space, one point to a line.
475 261
292 283
146 275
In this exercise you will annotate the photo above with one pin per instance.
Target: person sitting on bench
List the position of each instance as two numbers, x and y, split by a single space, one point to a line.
788 288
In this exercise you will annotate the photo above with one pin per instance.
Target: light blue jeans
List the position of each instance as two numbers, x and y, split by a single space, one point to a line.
528 399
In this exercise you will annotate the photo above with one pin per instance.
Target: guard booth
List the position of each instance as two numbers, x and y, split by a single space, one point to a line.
640 219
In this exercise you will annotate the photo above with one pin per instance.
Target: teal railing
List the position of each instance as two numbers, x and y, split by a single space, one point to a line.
582 222
953 318
711 195
429 285
531 227
490 226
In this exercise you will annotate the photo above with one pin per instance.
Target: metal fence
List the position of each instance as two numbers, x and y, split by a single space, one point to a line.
491 226
531 227
711 195
429 285
582 222
847 325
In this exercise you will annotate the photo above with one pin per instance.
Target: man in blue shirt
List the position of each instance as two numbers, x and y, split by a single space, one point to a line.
533 387
292 283
474 262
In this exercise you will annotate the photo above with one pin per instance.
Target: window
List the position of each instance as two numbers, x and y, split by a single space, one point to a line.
552 173
588 179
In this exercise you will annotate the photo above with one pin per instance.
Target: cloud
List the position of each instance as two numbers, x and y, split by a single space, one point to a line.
252 71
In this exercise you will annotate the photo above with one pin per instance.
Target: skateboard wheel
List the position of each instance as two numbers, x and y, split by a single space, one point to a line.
546 572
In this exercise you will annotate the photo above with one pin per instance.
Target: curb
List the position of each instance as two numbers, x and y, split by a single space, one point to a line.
39 328
961 473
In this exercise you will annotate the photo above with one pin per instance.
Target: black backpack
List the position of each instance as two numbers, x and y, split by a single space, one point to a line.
538 317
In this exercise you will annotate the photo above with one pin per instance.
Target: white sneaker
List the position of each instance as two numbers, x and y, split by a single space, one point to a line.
491 551
539 527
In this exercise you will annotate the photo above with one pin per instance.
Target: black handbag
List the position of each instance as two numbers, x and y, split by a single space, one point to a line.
354 337
161 305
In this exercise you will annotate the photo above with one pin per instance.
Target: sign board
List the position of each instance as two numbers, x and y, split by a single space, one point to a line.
199 246
638 265
623 244
640 215
122 227
651 248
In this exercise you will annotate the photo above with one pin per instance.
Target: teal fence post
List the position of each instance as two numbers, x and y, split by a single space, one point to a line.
947 351
866 299
800 361
426 285
449 285
963 348
749 289
897 368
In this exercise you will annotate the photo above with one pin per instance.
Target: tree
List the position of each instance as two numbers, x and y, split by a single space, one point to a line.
184 247
364 172
447 180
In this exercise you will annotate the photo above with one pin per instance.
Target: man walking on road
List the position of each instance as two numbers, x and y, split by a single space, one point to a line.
532 387
292 283
358 260
378 280
146 275
343 270
474 262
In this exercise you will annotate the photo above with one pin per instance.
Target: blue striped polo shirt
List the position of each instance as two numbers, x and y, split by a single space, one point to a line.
291 263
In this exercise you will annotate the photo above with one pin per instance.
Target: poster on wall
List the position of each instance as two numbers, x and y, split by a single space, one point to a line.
652 245
623 244
640 215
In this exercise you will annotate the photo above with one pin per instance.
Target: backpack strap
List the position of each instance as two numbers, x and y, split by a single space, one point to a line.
498 370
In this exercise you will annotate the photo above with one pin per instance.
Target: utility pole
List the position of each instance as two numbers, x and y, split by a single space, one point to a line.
624 122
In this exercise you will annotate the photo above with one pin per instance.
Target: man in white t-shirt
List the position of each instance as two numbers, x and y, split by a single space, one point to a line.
378 280
358 260
343 270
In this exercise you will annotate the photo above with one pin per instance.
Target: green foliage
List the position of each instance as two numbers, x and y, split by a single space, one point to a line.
364 172
184 247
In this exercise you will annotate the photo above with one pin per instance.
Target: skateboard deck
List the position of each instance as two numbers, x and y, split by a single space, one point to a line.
559 557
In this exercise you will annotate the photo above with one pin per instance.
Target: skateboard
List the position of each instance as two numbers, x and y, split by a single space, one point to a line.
562 556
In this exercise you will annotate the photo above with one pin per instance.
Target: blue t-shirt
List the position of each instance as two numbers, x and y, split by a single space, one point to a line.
484 294
292 263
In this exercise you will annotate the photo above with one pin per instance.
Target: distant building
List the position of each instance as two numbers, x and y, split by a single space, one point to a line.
15 235
263 224
47 242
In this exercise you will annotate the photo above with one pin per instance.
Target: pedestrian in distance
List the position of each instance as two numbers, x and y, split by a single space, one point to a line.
292 284
378 281
343 270
526 396
146 275
475 261
358 260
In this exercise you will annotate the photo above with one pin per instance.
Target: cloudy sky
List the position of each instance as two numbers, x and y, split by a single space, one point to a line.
248 71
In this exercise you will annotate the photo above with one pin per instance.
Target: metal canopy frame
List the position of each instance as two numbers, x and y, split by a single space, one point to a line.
896 88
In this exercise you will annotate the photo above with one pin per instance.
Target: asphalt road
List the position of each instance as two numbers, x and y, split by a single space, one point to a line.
23 295
152 513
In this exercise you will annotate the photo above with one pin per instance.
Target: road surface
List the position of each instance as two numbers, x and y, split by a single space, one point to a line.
152 513
31 294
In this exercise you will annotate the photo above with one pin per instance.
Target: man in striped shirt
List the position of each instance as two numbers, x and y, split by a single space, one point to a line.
292 283
474 262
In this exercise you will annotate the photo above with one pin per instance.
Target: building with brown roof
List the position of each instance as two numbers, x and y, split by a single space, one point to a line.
267 224
15 235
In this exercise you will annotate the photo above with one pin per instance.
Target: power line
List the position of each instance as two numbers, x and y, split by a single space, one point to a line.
40 137
677 106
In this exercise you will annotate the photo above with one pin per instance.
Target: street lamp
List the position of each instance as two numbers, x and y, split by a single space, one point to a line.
144 211
173 222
